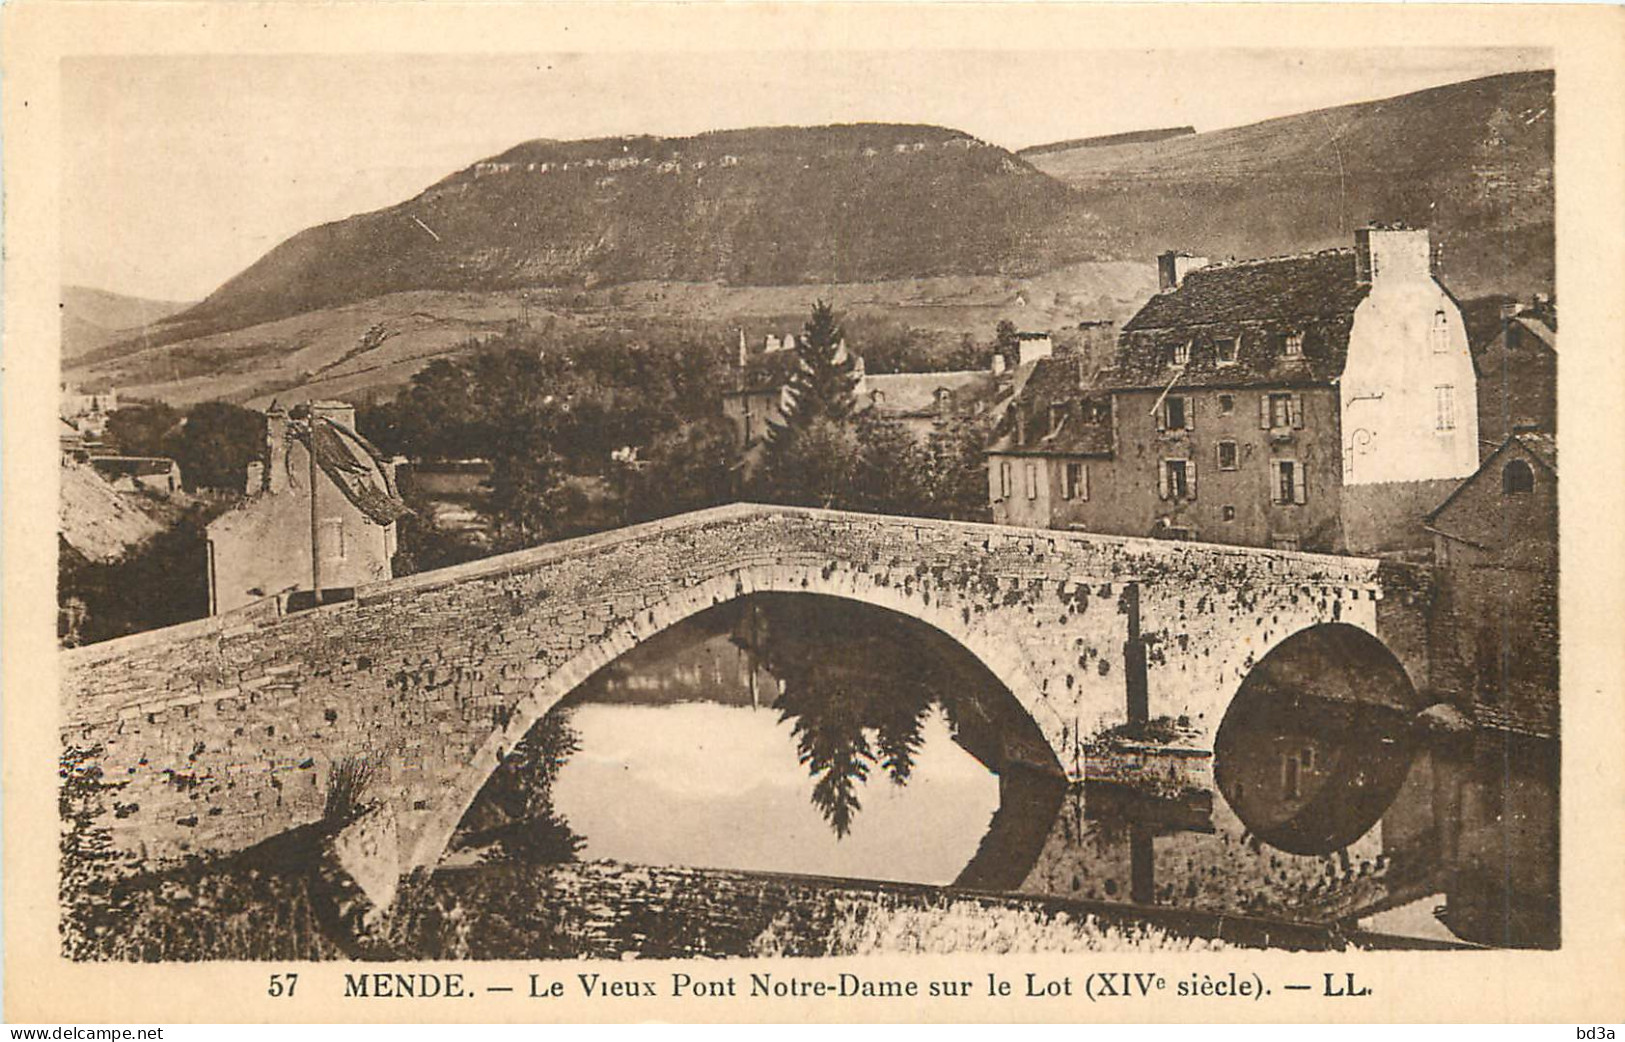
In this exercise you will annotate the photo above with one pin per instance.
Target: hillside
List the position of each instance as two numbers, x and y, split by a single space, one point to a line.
1131 137
914 225
775 206
92 318
1472 161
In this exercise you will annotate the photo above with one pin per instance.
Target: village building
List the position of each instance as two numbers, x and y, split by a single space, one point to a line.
1495 542
139 473
1318 402
1517 375
920 402
319 515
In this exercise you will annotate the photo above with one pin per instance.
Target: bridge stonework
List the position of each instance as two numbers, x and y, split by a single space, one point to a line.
225 731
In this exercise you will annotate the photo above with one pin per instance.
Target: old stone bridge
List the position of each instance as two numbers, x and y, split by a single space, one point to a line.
225 731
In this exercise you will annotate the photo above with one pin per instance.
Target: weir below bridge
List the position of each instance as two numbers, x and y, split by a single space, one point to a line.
227 731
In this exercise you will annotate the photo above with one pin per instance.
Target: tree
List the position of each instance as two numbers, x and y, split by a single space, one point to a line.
956 469
216 443
142 430
689 469
825 383
890 470
812 466
1006 341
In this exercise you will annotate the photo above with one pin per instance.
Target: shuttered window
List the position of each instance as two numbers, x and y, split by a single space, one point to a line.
1287 484
1177 479
1075 481
1004 479
1280 411
1032 481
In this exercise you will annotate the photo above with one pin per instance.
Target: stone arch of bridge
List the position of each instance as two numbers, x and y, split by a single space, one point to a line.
937 609
1345 644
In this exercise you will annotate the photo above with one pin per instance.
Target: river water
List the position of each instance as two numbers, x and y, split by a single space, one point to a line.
796 735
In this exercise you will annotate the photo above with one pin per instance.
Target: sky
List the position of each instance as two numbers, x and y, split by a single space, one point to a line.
180 171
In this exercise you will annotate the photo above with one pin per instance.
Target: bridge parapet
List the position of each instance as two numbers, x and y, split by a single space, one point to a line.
226 730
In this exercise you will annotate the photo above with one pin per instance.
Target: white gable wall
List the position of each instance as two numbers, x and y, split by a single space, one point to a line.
1390 385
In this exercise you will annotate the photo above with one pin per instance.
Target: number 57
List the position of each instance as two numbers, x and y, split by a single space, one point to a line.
282 984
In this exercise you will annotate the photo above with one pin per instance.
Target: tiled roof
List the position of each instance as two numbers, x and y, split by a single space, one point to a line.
1546 334
1541 445
1260 304
137 466
1056 381
915 394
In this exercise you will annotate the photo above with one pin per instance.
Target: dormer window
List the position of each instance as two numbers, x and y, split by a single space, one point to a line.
1182 353
1058 414
1225 349
1294 345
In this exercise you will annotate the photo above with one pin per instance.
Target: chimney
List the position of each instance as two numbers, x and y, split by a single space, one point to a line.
1391 254
1173 266
275 475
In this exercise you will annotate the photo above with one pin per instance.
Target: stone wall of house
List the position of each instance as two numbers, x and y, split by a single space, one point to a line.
226 731
1232 504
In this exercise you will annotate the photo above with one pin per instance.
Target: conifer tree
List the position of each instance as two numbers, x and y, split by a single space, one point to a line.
825 383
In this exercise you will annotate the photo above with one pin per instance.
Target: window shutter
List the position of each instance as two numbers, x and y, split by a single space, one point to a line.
1300 484
1297 411
1190 478
1083 470
1162 479
1190 413
1275 481
1162 413
1264 412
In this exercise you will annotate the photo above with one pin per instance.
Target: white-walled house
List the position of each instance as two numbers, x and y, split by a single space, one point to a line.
1408 393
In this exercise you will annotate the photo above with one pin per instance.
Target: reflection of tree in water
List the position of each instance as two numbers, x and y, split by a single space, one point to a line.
513 815
856 695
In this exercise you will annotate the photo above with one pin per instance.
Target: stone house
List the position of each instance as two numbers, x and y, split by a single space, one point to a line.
319 515
1495 542
919 401
1517 375
1319 402
136 473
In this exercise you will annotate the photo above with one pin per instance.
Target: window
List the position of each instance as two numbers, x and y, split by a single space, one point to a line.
1032 481
1229 513
1444 400
1058 414
1280 412
1176 413
1288 483
877 397
1004 479
1075 481
1182 353
1225 349
1294 345
1517 478
1227 404
1284 542
1178 479
1227 455
1441 332
1290 769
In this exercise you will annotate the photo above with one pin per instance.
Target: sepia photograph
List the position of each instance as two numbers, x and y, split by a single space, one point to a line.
754 504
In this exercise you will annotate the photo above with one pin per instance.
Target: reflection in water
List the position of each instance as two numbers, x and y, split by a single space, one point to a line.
786 733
